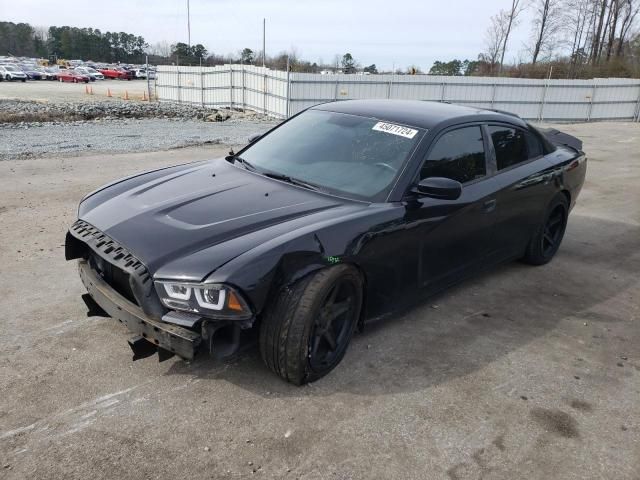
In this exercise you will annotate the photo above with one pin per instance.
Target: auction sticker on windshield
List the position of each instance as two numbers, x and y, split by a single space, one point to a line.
395 129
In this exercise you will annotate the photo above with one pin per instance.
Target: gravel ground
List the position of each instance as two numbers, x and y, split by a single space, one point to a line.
21 113
121 136
521 373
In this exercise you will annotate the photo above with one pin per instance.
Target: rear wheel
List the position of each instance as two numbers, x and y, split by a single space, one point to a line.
547 239
305 333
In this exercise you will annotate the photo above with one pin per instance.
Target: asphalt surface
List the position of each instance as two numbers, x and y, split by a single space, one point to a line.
524 372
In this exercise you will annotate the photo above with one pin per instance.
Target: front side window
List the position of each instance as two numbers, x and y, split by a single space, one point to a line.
346 154
458 155
510 145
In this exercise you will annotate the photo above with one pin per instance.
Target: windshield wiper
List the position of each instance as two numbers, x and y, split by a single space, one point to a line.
291 180
245 163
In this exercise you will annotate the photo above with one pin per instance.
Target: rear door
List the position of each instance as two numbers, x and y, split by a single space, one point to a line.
524 184
453 237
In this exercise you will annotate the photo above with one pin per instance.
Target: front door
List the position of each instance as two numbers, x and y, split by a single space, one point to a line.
453 237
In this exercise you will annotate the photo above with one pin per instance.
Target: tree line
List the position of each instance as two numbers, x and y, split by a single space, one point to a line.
568 38
576 37
23 40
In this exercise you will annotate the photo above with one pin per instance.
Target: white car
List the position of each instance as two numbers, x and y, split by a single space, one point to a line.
90 72
10 73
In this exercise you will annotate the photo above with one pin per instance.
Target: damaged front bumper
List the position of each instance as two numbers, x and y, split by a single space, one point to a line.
168 339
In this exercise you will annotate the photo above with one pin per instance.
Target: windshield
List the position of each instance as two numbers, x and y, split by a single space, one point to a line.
347 154
11 69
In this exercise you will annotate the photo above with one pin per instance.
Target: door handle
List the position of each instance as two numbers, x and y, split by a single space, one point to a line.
489 206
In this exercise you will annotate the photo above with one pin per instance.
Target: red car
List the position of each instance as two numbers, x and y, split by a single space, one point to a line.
117 72
69 76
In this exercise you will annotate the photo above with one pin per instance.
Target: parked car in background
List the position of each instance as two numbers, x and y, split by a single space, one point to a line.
117 73
11 73
140 73
31 71
90 72
48 73
72 76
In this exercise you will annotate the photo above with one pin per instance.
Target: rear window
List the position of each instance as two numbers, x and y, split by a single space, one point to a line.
510 145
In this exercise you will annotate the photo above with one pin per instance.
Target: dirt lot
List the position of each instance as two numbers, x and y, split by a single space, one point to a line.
49 91
522 373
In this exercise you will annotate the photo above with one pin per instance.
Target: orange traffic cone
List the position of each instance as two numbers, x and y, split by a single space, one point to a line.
144 96
90 90
86 89
109 92
126 95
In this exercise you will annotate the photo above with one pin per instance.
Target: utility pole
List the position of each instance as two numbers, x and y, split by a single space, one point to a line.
146 69
264 40
188 25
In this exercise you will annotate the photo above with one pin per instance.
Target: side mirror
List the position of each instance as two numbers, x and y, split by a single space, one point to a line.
255 137
439 187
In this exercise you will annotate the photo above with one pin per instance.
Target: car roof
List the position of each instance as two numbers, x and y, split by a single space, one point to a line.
417 113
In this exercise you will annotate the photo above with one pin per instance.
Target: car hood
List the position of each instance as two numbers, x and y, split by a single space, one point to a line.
164 216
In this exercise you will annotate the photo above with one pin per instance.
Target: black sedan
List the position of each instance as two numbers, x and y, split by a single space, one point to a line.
339 215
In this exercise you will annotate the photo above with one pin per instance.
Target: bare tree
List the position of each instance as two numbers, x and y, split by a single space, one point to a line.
509 21
579 17
494 38
547 22
598 34
41 32
162 49
629 12
614 15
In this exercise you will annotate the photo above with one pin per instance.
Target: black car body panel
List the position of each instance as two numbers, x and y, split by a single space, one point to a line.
218 222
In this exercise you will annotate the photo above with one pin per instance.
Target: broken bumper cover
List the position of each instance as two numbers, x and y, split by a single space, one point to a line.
174 339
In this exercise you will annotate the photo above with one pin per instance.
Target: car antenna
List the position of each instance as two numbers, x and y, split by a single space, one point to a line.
231 152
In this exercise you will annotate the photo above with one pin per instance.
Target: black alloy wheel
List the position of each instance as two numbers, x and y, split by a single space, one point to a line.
553 230
331 331
305 332
547 239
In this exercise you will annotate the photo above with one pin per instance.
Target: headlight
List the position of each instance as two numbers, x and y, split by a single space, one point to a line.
207 299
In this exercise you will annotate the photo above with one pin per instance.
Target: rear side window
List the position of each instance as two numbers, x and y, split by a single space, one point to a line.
458 155
513 146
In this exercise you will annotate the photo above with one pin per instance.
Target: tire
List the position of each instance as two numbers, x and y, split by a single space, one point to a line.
296 329
23 80
8 77
547 239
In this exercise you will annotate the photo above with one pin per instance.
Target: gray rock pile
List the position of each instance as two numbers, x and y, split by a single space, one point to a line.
25 113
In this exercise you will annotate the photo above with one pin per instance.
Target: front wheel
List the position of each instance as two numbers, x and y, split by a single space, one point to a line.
546 240
306 331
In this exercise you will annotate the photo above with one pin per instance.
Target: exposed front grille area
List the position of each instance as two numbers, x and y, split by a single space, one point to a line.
119 268
115 277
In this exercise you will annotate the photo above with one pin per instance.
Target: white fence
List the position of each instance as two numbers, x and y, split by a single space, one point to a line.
283 94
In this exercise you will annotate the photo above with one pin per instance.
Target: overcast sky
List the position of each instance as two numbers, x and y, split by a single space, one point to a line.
384 32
